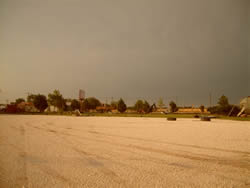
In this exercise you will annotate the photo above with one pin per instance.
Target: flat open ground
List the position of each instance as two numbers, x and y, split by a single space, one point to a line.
60 151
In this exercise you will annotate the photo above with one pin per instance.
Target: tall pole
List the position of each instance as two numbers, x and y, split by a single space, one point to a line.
210 99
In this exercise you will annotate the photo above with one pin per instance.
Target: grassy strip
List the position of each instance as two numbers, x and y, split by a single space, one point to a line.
151 115
158 115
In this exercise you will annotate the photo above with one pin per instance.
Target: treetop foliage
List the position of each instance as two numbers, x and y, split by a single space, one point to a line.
19 100
75 104
121 106
40 102
56 99
92 102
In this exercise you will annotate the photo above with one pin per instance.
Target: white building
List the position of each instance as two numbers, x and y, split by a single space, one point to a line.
245 105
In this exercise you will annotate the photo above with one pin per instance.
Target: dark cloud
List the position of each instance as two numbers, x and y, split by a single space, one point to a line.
130 49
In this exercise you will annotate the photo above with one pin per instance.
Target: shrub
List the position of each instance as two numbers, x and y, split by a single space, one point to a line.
213 109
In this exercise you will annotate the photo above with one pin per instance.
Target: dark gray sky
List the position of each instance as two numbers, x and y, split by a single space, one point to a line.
132 49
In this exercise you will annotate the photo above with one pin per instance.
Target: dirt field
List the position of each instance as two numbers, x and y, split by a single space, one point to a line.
61 151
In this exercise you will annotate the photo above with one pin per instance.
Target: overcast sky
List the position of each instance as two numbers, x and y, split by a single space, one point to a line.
175 49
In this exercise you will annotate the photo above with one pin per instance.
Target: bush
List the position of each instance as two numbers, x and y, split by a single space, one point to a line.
213 109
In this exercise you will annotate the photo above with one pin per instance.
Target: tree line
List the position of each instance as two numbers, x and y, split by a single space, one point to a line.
42 102
56 99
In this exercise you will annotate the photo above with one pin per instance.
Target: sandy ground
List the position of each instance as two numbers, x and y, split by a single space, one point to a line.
60 151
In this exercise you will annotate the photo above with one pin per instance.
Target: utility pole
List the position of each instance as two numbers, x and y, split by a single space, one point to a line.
210 99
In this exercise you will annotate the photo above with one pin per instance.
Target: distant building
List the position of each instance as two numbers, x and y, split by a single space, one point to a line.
191 110
26 107
52 108
81 94
3 107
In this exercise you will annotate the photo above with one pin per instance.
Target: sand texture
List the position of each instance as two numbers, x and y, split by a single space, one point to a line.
62 151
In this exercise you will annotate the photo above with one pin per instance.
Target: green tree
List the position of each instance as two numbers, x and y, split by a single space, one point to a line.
56 99
19 100
75 104
121 106
146 107
173 106
31 98
93 102
223 101
160 103
40 102
223 105
139 106
85 106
